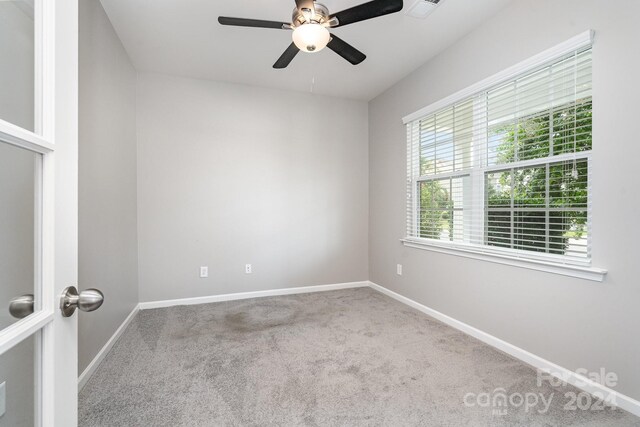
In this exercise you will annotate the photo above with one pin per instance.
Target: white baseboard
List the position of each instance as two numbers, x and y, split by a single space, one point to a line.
91 368
247 295
608 395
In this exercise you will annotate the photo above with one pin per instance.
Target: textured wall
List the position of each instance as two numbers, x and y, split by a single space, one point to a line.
107 179
230 175
572 322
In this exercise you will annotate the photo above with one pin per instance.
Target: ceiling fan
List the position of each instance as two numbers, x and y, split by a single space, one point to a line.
310 25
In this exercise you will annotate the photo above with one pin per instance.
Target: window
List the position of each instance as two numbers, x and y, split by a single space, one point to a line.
506 169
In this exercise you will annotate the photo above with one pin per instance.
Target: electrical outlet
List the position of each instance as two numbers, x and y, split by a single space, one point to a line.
204 272
399 269
247 269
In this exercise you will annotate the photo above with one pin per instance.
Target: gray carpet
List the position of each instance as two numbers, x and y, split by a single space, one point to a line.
351 357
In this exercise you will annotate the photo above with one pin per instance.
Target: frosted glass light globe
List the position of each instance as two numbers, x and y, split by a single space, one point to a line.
311 37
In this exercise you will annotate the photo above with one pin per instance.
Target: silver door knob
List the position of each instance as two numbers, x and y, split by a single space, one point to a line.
88 300
22 306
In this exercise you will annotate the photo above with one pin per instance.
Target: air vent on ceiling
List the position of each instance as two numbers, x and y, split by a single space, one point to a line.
422 8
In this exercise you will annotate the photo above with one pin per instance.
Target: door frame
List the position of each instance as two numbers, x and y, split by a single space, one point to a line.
55 138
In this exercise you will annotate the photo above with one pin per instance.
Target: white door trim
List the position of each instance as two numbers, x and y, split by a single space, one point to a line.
24 328
42 141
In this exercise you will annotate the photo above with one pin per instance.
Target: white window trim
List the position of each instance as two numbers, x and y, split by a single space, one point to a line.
510 258
575 43
541 262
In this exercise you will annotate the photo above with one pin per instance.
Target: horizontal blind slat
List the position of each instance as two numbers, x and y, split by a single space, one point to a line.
465 182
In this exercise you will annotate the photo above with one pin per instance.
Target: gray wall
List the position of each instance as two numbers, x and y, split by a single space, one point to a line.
107 179
572 322
230 175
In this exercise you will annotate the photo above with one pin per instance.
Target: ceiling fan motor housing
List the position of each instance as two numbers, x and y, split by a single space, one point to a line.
311 22
301 17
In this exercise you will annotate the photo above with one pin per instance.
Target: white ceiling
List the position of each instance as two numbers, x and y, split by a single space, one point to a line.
183 37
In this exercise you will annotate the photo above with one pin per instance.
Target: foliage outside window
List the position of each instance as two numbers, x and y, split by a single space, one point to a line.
508 168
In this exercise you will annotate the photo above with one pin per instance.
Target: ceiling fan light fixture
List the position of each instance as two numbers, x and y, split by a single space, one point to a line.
310 22
311 37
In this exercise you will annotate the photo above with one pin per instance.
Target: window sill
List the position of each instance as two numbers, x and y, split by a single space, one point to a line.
582 272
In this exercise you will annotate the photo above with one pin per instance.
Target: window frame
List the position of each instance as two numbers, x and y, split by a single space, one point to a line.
442 177
479 211
554 263
547 163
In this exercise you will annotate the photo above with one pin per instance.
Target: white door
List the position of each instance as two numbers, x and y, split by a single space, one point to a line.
38 211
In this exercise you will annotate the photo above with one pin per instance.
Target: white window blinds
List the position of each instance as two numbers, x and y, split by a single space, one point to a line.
508 169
